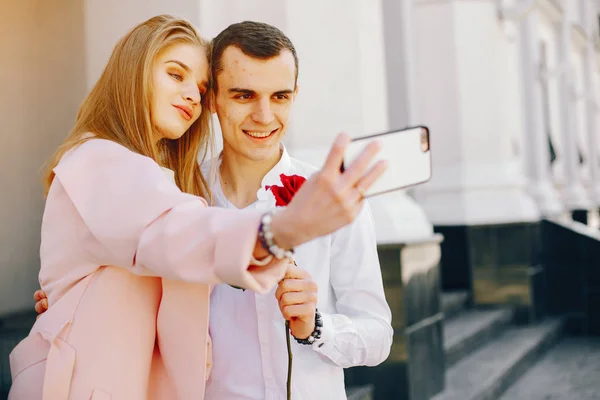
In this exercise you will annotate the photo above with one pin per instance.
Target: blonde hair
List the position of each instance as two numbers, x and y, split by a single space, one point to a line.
118 107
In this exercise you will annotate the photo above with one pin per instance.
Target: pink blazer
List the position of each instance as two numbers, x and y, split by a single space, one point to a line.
127 261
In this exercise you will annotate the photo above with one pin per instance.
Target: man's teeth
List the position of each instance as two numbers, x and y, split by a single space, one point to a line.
258 134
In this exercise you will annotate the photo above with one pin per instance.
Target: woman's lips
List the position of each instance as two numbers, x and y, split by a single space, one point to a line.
186 112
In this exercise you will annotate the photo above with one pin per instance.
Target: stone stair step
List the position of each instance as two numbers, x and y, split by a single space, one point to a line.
489 371
360 393
569 370
454 302
470 329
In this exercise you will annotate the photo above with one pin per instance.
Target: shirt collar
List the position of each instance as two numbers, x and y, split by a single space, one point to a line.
283 166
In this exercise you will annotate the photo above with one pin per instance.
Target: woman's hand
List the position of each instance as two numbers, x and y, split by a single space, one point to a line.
330 199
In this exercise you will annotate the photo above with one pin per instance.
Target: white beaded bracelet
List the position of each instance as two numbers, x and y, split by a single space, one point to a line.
266 238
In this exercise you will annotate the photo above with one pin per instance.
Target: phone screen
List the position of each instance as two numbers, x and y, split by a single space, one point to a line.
407 152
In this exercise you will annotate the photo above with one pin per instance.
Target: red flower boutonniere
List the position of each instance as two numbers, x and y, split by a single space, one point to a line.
284 194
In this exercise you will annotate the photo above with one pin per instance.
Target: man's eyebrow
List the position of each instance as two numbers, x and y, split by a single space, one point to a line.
286 91
182 65
241 91
250 91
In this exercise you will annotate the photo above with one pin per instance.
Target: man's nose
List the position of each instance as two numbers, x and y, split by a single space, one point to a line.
191 94
263 114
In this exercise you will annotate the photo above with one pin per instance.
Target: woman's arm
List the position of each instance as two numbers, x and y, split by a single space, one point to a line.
145 223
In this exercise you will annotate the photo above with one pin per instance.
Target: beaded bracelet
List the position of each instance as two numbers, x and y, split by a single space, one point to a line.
265 235
316 334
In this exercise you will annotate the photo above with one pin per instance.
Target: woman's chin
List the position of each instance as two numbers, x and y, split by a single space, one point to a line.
172 134
175 136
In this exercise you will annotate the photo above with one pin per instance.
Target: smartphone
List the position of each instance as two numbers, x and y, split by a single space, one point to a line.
408 153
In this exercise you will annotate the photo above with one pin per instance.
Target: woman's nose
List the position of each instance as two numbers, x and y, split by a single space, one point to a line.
192 95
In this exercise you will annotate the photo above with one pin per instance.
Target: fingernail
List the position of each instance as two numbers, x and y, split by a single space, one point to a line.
45 303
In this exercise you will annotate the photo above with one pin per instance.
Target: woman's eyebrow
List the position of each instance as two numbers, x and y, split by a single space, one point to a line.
182 65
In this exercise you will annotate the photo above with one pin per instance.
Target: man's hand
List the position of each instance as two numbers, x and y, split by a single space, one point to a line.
297 297
41 302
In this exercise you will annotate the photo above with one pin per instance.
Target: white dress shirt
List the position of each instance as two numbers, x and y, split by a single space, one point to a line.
248 331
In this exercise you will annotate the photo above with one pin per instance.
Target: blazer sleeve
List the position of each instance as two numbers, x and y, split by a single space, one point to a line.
143 222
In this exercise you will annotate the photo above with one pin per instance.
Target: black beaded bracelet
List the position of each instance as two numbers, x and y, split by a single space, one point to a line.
316 334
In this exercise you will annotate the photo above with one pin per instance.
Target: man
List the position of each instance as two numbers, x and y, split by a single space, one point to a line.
255 69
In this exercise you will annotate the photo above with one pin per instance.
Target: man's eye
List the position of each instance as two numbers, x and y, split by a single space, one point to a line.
243 97
177 77
281 97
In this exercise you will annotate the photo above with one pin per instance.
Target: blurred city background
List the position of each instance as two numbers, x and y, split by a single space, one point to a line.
492 268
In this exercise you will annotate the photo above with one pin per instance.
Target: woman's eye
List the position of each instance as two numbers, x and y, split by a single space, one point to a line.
177 77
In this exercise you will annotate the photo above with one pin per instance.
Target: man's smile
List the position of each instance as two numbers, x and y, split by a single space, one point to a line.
260 134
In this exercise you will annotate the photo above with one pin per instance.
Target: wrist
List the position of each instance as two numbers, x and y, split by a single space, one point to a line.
303 332
316 333
284 233
267 239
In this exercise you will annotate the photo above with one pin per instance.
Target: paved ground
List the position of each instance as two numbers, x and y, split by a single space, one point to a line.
569 371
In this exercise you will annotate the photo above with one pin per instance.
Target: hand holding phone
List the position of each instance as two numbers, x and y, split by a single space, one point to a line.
407 152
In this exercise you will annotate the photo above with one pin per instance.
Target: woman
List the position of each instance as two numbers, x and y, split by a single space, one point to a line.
125 208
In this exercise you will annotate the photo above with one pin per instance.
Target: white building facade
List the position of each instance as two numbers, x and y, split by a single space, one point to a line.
508 88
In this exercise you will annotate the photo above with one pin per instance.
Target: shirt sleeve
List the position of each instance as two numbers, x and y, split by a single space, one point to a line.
142 221
360 333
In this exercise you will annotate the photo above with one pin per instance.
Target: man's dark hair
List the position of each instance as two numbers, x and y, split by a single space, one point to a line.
254 39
